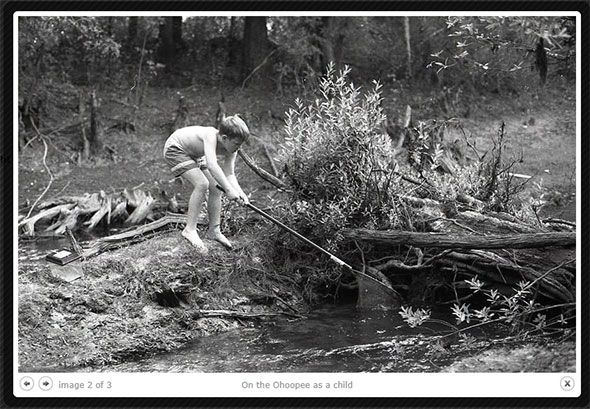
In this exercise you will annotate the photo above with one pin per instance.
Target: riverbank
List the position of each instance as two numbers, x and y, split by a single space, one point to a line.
149 301
122 306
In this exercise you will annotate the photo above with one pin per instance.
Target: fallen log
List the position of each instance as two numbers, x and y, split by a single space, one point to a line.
551 220
105 209
420 202
90 209
489 222
28 224
89 204
503 270
483 223
261 172
464 241
131 236
146 228
69 222
142 211
119 212
470 201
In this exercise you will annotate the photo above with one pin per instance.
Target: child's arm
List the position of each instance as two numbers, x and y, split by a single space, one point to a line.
228 168
209 143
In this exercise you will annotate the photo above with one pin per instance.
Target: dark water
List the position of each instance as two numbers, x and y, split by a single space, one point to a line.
333 339
36 248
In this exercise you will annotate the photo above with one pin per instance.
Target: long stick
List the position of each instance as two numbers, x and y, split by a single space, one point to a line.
299 236
323 250
293 232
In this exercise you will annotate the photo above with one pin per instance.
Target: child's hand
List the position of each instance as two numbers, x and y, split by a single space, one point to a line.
240 199
243 199
232 195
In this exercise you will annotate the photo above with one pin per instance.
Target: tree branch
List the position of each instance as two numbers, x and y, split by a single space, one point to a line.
46 167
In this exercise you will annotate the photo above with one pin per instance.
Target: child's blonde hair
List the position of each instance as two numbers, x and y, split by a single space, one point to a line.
234 127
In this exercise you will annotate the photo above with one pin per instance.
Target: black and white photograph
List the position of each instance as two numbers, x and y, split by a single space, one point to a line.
280 193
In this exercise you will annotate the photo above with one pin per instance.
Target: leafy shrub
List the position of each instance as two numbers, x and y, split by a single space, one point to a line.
519 310
336 161
446 173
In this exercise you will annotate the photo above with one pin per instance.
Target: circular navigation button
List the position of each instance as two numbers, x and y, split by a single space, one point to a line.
45 383
26 383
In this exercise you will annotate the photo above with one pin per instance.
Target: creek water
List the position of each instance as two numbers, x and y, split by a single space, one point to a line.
334 338
36 248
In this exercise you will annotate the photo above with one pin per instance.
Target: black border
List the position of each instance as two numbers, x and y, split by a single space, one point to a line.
6 194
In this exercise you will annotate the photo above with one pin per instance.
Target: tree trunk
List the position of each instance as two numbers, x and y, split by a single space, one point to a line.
541 60
452 241
409 73
177 31
326 43
22 140
180 119
255 48
233 53
167 47
179 44
132 32
85 151
331 35
95 136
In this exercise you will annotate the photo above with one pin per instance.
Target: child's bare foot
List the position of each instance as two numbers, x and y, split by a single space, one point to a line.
194 239
215 234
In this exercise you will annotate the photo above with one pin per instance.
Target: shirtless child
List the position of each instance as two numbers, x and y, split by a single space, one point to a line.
192 152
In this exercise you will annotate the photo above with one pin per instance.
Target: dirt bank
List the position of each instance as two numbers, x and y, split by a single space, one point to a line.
117 310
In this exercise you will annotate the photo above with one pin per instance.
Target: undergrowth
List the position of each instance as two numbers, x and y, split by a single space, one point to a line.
341 172
519 311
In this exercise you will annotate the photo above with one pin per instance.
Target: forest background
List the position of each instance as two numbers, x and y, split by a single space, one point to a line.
150 75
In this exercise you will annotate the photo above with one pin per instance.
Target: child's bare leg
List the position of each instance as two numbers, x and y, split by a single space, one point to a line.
200 186
214 210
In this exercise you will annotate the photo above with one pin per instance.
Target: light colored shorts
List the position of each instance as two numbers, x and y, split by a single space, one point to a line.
179 161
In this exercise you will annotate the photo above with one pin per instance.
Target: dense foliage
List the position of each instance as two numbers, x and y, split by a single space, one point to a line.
499 52
520 311
477 51
336 160
342 171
